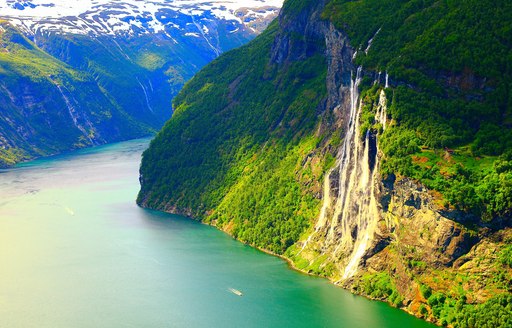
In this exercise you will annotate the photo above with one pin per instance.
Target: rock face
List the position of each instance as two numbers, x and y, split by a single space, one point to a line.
319 36
439 240
417 246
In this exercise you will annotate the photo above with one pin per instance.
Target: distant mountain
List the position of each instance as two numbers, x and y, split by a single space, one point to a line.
134 56
173 19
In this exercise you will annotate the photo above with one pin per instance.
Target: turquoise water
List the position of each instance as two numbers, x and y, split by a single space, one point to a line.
75 251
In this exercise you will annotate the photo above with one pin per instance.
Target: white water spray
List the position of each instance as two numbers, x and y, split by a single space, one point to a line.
146 95
348 220
381 114
371 41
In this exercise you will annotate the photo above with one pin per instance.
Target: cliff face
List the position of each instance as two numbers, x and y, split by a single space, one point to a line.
53 115
317 36
291 159
424 253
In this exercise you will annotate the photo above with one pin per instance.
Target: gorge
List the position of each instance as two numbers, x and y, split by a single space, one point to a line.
96 259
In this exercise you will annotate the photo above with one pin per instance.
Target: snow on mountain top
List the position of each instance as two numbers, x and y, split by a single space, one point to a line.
63 8
132 16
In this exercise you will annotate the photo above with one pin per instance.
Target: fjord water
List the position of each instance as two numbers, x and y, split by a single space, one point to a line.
75 251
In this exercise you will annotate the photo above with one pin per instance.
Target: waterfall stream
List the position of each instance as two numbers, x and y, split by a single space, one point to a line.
145 95
349 215
75 115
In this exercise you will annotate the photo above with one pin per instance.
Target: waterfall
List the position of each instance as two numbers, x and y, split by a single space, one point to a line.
216 50
371 41
381 114
145 94
74 115
151 85
377 80
121 49
387 80
348 219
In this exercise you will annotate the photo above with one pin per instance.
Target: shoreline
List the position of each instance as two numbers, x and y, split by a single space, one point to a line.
66 152
188 214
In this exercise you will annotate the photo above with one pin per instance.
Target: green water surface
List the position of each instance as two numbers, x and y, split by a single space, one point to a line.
75 251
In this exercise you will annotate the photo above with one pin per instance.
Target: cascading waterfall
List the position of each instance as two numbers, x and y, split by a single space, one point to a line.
145 94
74 115
216 50
377 81
349 215
151 85
371 41
121 49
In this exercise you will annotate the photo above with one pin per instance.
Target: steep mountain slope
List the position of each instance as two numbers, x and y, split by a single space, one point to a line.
368 142
106 70
47 105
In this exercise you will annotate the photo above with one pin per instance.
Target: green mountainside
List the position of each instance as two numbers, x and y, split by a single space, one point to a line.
47 105
62 91
454 61
242 138
256 133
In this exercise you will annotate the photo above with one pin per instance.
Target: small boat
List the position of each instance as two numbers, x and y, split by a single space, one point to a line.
69 210
236 292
